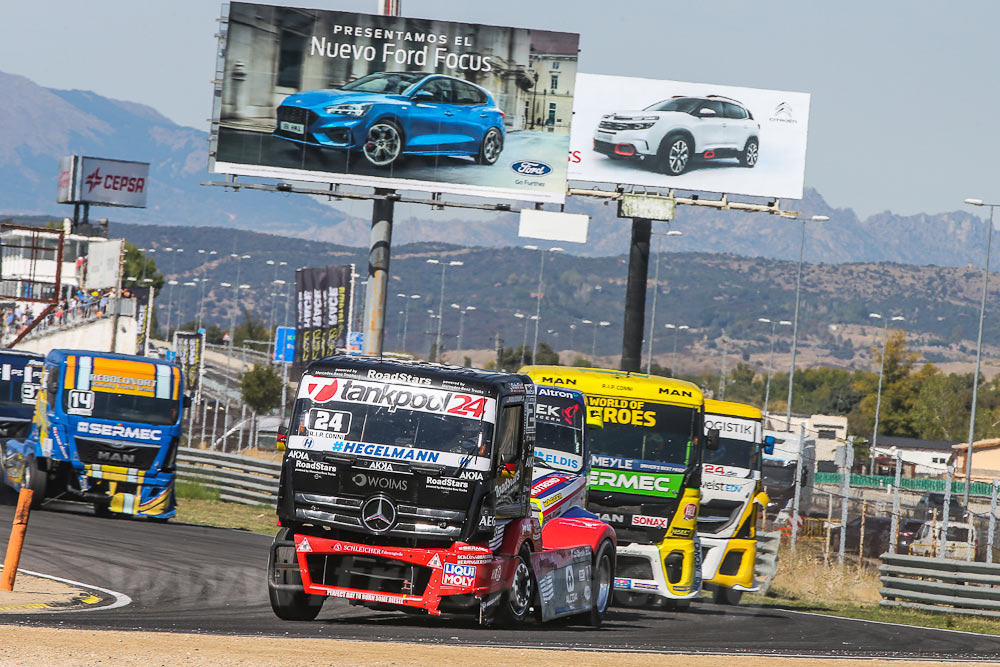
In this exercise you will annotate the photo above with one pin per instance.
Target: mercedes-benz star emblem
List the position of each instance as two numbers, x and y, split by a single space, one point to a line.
378 514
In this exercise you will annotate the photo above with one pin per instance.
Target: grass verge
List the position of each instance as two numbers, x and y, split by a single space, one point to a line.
208 512
805 582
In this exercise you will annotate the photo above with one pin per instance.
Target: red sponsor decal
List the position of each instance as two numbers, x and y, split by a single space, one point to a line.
547 483
690 510
650 521
321 390
569 413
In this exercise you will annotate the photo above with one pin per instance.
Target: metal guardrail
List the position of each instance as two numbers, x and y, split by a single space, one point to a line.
239 479
766 566
941 585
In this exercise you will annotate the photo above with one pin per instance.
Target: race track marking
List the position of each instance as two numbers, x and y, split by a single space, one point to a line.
121 599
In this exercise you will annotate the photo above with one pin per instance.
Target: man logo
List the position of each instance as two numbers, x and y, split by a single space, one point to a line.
378 514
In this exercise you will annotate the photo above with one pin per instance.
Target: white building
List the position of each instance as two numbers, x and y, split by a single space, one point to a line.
829 431
929 457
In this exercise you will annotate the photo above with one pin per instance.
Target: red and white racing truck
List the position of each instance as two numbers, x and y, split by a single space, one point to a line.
408 486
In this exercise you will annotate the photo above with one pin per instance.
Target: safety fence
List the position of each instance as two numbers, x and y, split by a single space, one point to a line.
937 584
239 479
906 483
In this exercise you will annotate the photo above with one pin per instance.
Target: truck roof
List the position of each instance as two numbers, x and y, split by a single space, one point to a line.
58 356
731 409
6 351
444 374
596 381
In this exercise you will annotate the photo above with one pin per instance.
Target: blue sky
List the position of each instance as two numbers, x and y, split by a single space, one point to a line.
903 93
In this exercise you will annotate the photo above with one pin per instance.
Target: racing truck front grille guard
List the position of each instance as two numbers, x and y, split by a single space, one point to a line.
448 522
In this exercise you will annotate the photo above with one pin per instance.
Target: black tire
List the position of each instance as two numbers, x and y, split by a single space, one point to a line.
602 583
726 596
383 144
34 479
750 154
102 509
489 150
289 605
675 155
516 602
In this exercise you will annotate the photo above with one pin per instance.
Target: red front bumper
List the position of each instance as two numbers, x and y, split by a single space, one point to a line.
461 569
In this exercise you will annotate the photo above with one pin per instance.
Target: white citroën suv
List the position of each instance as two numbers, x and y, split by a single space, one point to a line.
673 133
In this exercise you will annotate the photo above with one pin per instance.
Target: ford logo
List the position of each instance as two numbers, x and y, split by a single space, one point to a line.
531 168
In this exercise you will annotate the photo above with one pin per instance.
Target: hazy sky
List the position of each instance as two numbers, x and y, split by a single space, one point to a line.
904 93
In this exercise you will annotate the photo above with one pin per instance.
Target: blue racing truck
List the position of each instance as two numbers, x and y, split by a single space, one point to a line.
20 377
105 430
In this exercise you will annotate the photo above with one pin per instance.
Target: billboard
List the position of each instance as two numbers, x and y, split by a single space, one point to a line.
104 260
689 136
190 349
322 312
395 102
91 180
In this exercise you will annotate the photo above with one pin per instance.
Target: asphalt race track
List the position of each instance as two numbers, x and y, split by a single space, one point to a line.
197 579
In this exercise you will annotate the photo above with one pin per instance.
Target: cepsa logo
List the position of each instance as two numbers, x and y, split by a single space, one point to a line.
114 182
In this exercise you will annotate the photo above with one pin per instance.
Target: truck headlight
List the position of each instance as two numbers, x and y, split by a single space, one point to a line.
354 110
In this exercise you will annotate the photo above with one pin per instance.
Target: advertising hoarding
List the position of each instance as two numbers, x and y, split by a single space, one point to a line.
103 182
190 349
387 101
322 312
103 263
689 136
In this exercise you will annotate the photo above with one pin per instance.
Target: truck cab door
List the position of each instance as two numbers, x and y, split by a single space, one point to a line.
513 477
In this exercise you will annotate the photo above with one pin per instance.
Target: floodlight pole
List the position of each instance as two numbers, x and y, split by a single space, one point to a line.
380 247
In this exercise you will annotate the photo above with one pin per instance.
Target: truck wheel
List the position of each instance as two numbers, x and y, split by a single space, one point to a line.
602 581
288 605
726 596
517 600
34 479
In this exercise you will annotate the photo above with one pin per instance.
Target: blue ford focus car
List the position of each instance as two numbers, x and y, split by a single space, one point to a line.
387 115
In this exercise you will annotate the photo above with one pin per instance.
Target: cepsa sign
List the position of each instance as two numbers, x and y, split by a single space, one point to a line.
88 180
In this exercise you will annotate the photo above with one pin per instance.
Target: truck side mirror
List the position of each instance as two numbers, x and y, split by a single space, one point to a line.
281 443
769 444
508 470
187 401
712 440
594 418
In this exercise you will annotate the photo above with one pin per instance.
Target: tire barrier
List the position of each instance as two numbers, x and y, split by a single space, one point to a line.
941 585
766 566
239 479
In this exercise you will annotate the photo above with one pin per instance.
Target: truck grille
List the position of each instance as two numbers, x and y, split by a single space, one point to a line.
411 521
117 453
717 515
633 567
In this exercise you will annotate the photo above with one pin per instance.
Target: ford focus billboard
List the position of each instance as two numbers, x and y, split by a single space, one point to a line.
689 136
395 102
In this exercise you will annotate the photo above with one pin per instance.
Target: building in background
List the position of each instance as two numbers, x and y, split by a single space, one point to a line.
927 457
553 73
985 459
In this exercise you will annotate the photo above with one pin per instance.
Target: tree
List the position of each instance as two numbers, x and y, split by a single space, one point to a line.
900 387
139 266
546 355
261 388
250 329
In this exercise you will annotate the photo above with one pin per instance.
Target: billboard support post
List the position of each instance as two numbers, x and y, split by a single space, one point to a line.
378 272
635 294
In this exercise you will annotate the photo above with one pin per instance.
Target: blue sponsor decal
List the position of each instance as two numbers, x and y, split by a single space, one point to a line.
460 570
530 168
618 463
308 443
624 584
554 459
385 451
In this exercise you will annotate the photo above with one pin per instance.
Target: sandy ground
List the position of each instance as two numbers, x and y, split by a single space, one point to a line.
34 593
45 646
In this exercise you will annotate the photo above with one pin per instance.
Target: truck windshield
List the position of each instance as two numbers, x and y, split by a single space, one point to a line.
121 390
19 383
559 430
737 441
636 429
419 424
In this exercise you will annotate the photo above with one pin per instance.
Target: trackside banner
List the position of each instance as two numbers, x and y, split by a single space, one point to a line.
386 101
322 312
190 349
690 136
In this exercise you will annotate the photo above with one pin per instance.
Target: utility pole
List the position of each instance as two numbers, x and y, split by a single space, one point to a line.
635 295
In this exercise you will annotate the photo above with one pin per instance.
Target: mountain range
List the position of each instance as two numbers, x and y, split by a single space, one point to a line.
39 125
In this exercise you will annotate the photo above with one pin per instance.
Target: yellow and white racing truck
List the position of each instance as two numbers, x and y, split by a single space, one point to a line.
644 479
730 499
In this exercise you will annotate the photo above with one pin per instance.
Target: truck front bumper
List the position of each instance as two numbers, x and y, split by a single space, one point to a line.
729 563
128 490
670 569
